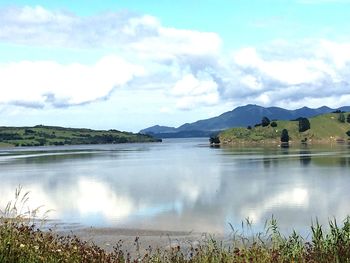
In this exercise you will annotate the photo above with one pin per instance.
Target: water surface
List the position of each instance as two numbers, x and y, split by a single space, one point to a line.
181 184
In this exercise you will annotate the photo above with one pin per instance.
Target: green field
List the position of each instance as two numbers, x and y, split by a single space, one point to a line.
50 135
324 128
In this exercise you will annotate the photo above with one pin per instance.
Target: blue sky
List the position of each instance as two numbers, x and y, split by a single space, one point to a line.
132 64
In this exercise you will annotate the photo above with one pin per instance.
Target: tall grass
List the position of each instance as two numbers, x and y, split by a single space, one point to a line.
22 241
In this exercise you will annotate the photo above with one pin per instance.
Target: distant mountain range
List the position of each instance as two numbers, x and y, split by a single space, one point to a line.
239 117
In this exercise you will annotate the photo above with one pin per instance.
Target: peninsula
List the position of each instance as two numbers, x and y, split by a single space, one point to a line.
41 135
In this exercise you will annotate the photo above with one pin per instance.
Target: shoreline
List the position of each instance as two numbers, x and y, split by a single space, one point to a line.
108 237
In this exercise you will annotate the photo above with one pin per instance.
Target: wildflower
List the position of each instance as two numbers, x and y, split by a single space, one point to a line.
22 245
36 247
58 250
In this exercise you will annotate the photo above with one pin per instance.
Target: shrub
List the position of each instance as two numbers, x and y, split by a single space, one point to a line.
348 118
348 133
341 117
284 136
273 124
214 140
249 127
265 121
304 124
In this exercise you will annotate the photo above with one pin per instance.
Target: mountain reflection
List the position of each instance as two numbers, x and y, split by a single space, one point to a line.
180 186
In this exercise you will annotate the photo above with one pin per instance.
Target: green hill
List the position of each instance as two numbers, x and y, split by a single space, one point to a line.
324 128
51 135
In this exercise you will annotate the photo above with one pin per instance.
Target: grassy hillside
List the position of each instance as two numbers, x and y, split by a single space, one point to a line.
323 129
49 135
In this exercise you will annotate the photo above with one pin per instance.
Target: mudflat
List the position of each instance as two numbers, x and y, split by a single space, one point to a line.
140 240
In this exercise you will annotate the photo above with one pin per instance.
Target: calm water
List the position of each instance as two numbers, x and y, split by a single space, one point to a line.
181 184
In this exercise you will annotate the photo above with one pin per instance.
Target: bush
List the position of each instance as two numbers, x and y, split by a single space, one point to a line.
214 140
304 124
341 117
348 118
249 127
265 121
273 124
28 132
348 133
284 136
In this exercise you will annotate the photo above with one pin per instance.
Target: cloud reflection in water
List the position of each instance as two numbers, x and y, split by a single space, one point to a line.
180 186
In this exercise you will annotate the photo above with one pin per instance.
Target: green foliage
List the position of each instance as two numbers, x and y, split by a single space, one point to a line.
341 117
214 140
25 243
323 129
284 136
265 122
348 133
273 124
48 135
304 124
348 118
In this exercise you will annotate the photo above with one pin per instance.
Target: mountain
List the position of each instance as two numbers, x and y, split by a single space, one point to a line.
239 117
158 129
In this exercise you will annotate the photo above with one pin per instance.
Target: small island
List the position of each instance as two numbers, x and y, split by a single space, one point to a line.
41 135
322 129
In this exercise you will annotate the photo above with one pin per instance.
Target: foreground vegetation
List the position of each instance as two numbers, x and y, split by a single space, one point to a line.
22 241
325 128
50 135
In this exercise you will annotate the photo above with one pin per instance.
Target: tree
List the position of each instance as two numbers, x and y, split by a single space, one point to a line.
284 136
304 124
249 127
214 140
348 118
273 124
341 117
348 133
265 121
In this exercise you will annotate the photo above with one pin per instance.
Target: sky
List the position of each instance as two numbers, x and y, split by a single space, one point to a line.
128 65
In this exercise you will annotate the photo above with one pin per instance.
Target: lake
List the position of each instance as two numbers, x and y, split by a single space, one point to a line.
180 184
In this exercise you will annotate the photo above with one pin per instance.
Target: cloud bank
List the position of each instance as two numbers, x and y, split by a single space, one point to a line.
189 66
34 84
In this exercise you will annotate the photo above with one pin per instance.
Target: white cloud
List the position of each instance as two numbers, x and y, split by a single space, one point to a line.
289 71
290 75
141 42
143 34
44 82
194 91
188 66
336 53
